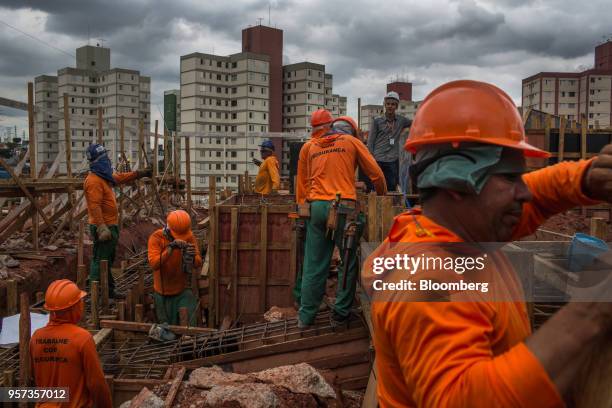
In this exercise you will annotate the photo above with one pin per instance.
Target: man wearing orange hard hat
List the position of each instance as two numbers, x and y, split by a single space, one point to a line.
327 197
64 354
470 148
173 252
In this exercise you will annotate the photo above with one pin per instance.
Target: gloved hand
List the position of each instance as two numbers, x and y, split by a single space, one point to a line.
148 172
257 161
597 182
178 243
104 233
190 249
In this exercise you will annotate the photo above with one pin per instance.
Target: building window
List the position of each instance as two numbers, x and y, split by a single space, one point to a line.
234 90
218 166
309 84
250 115
572 94
234 116
265 116
233 154
263 91
250 89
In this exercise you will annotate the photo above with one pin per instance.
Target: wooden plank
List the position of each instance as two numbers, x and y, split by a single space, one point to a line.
188 172
176 383
95 321
24 341
11 297
372 218
561 146
81 276
25 190
104 285
101 336
139 313
583 140
263 259
67 137
598 228
140 327
155 153
33 148
234 262
387 215
277 348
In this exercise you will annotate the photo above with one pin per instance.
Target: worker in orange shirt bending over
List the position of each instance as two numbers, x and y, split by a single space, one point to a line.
268 178
64 354
326 184
102 209
173 253
470 169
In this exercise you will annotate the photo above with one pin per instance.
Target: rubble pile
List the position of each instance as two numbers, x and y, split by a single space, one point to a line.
297 385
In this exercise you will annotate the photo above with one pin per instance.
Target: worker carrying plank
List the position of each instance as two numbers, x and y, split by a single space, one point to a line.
268 177
64 354
103 216
173 253
470 169
327 197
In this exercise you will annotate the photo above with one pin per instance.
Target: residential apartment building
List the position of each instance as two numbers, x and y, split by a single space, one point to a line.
92 85
230 104
575 95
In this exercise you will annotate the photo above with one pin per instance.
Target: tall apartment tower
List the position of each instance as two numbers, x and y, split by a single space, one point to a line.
91 85
269 41
576 95
303 93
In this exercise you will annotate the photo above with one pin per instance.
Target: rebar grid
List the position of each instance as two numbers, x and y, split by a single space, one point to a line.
9 360
141 357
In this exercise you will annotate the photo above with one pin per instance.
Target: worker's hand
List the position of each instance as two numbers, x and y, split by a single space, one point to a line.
179 243
597 183
257 162
148 172
104 233
190 249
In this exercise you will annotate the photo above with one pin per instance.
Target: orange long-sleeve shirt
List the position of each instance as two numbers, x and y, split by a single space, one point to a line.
327 166
100 197
168 279
268 178
472 354
64 355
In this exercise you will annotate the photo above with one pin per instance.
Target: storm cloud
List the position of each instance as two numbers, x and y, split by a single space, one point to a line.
364 44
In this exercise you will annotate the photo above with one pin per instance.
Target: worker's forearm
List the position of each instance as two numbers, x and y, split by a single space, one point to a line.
560 343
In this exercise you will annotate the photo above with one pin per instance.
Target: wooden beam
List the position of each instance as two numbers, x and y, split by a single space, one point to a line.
155 153
263 259
372 218
11 297
188 172
104 282
141 327
95 292
24 341
32 133
176 383
561 146
25 191
101 336
234 262
67 137
599 228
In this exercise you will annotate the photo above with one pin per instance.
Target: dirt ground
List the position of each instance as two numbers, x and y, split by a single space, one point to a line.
567 224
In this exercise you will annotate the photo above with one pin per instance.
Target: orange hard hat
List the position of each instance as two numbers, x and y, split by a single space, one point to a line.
320 117
349 120
179 223
62 294
469 111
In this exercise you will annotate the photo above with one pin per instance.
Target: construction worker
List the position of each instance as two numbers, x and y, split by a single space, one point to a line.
102 209
268 177
470 171
326 189
173 253
384 139
64 354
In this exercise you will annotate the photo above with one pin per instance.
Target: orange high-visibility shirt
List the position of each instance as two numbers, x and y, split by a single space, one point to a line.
168 279
327 166
100 197
472 354
64 355
268 178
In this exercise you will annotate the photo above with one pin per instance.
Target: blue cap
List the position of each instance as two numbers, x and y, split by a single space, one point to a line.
267 144
94 151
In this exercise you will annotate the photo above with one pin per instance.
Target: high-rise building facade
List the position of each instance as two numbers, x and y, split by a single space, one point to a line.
575 95
93 84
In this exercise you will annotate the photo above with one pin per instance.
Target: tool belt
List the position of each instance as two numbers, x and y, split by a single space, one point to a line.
349 208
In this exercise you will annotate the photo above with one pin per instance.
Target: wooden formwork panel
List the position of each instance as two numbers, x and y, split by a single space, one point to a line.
255 257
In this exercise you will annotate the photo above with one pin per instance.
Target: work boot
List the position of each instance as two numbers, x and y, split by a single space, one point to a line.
338 321
303 326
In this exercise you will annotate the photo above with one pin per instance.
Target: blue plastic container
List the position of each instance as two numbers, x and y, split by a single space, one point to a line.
583 251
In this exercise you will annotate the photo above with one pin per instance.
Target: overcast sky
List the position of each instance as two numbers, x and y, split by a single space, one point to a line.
364 44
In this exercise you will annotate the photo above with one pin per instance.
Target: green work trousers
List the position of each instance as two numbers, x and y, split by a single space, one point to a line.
103 250
297 289
318 253
167 307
